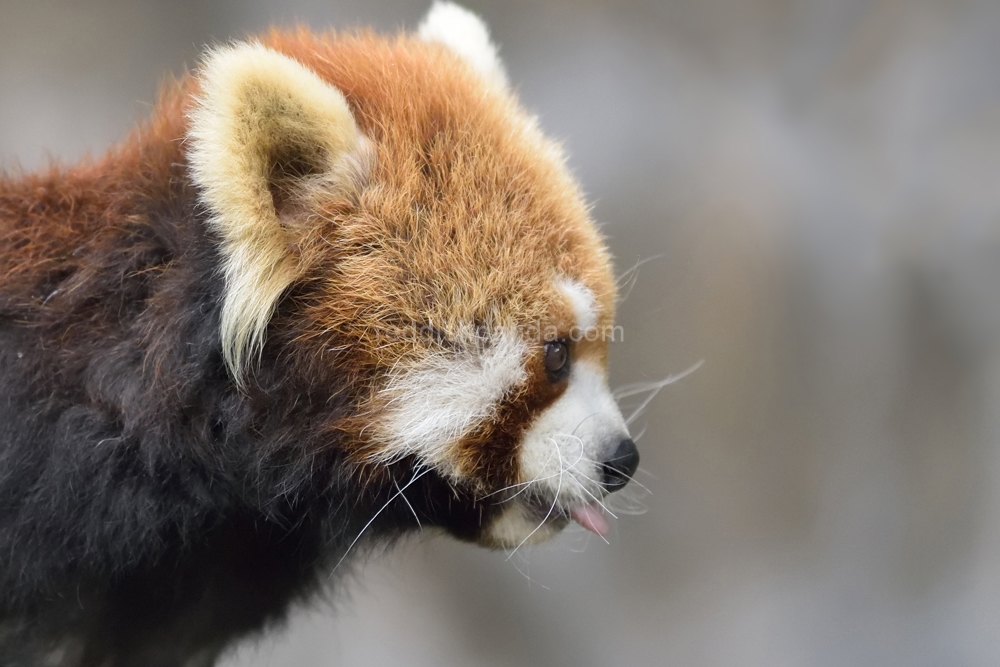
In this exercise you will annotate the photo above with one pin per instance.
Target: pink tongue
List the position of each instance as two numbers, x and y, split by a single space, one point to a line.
591 518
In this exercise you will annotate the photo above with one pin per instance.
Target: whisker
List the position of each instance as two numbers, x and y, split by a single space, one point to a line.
625 505
604 507
407 501
551 507
670 379
537 479
630 478
508 488
598 501
375 516
627 274
582 486
527 484
530 580
635 388
633 277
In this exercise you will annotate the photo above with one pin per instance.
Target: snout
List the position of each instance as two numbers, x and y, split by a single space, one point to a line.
617 470
575 452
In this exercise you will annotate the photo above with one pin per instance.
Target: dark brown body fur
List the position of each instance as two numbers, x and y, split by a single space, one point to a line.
149 511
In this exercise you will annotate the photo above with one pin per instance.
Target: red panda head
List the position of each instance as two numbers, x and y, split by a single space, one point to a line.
455 283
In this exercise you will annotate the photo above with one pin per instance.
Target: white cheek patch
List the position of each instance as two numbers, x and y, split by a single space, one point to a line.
583 301
563 449
432 406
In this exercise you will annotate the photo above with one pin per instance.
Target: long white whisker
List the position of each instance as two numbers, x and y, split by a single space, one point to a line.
597 500
551 507
572 470
633 278
530 580
625 505
514 486
528 484
407 501
580 457
628 390
627 274
670 379
375 516
577 474
635 388
509 487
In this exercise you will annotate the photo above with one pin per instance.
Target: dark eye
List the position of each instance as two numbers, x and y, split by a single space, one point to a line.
556 360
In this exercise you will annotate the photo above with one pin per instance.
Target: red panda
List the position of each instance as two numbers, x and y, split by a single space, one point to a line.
337 289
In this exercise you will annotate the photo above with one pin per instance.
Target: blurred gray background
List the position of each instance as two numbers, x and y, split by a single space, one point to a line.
816 186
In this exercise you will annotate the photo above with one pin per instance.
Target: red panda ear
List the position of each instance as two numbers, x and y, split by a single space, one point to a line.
265 132
467 35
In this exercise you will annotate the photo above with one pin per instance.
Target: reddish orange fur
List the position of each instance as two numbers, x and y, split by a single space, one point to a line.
159 508
454 187
458 185
46 216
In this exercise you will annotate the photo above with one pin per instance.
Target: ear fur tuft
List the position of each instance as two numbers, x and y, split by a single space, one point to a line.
467 35
264 126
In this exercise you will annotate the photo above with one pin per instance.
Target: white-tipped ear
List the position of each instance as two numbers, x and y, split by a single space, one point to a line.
265 133
467 35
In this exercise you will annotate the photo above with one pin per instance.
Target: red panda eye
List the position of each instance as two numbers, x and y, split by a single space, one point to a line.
556 360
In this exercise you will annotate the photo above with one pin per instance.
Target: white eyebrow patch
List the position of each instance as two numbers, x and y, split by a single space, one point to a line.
583 301
431 406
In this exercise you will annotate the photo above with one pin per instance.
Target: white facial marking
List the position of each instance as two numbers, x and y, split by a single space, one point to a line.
431 406
563 449
464 33
514 527
584 303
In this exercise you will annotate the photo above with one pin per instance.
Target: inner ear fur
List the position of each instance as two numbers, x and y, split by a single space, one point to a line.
265 134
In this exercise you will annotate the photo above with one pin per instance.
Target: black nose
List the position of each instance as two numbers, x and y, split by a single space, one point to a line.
618 470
